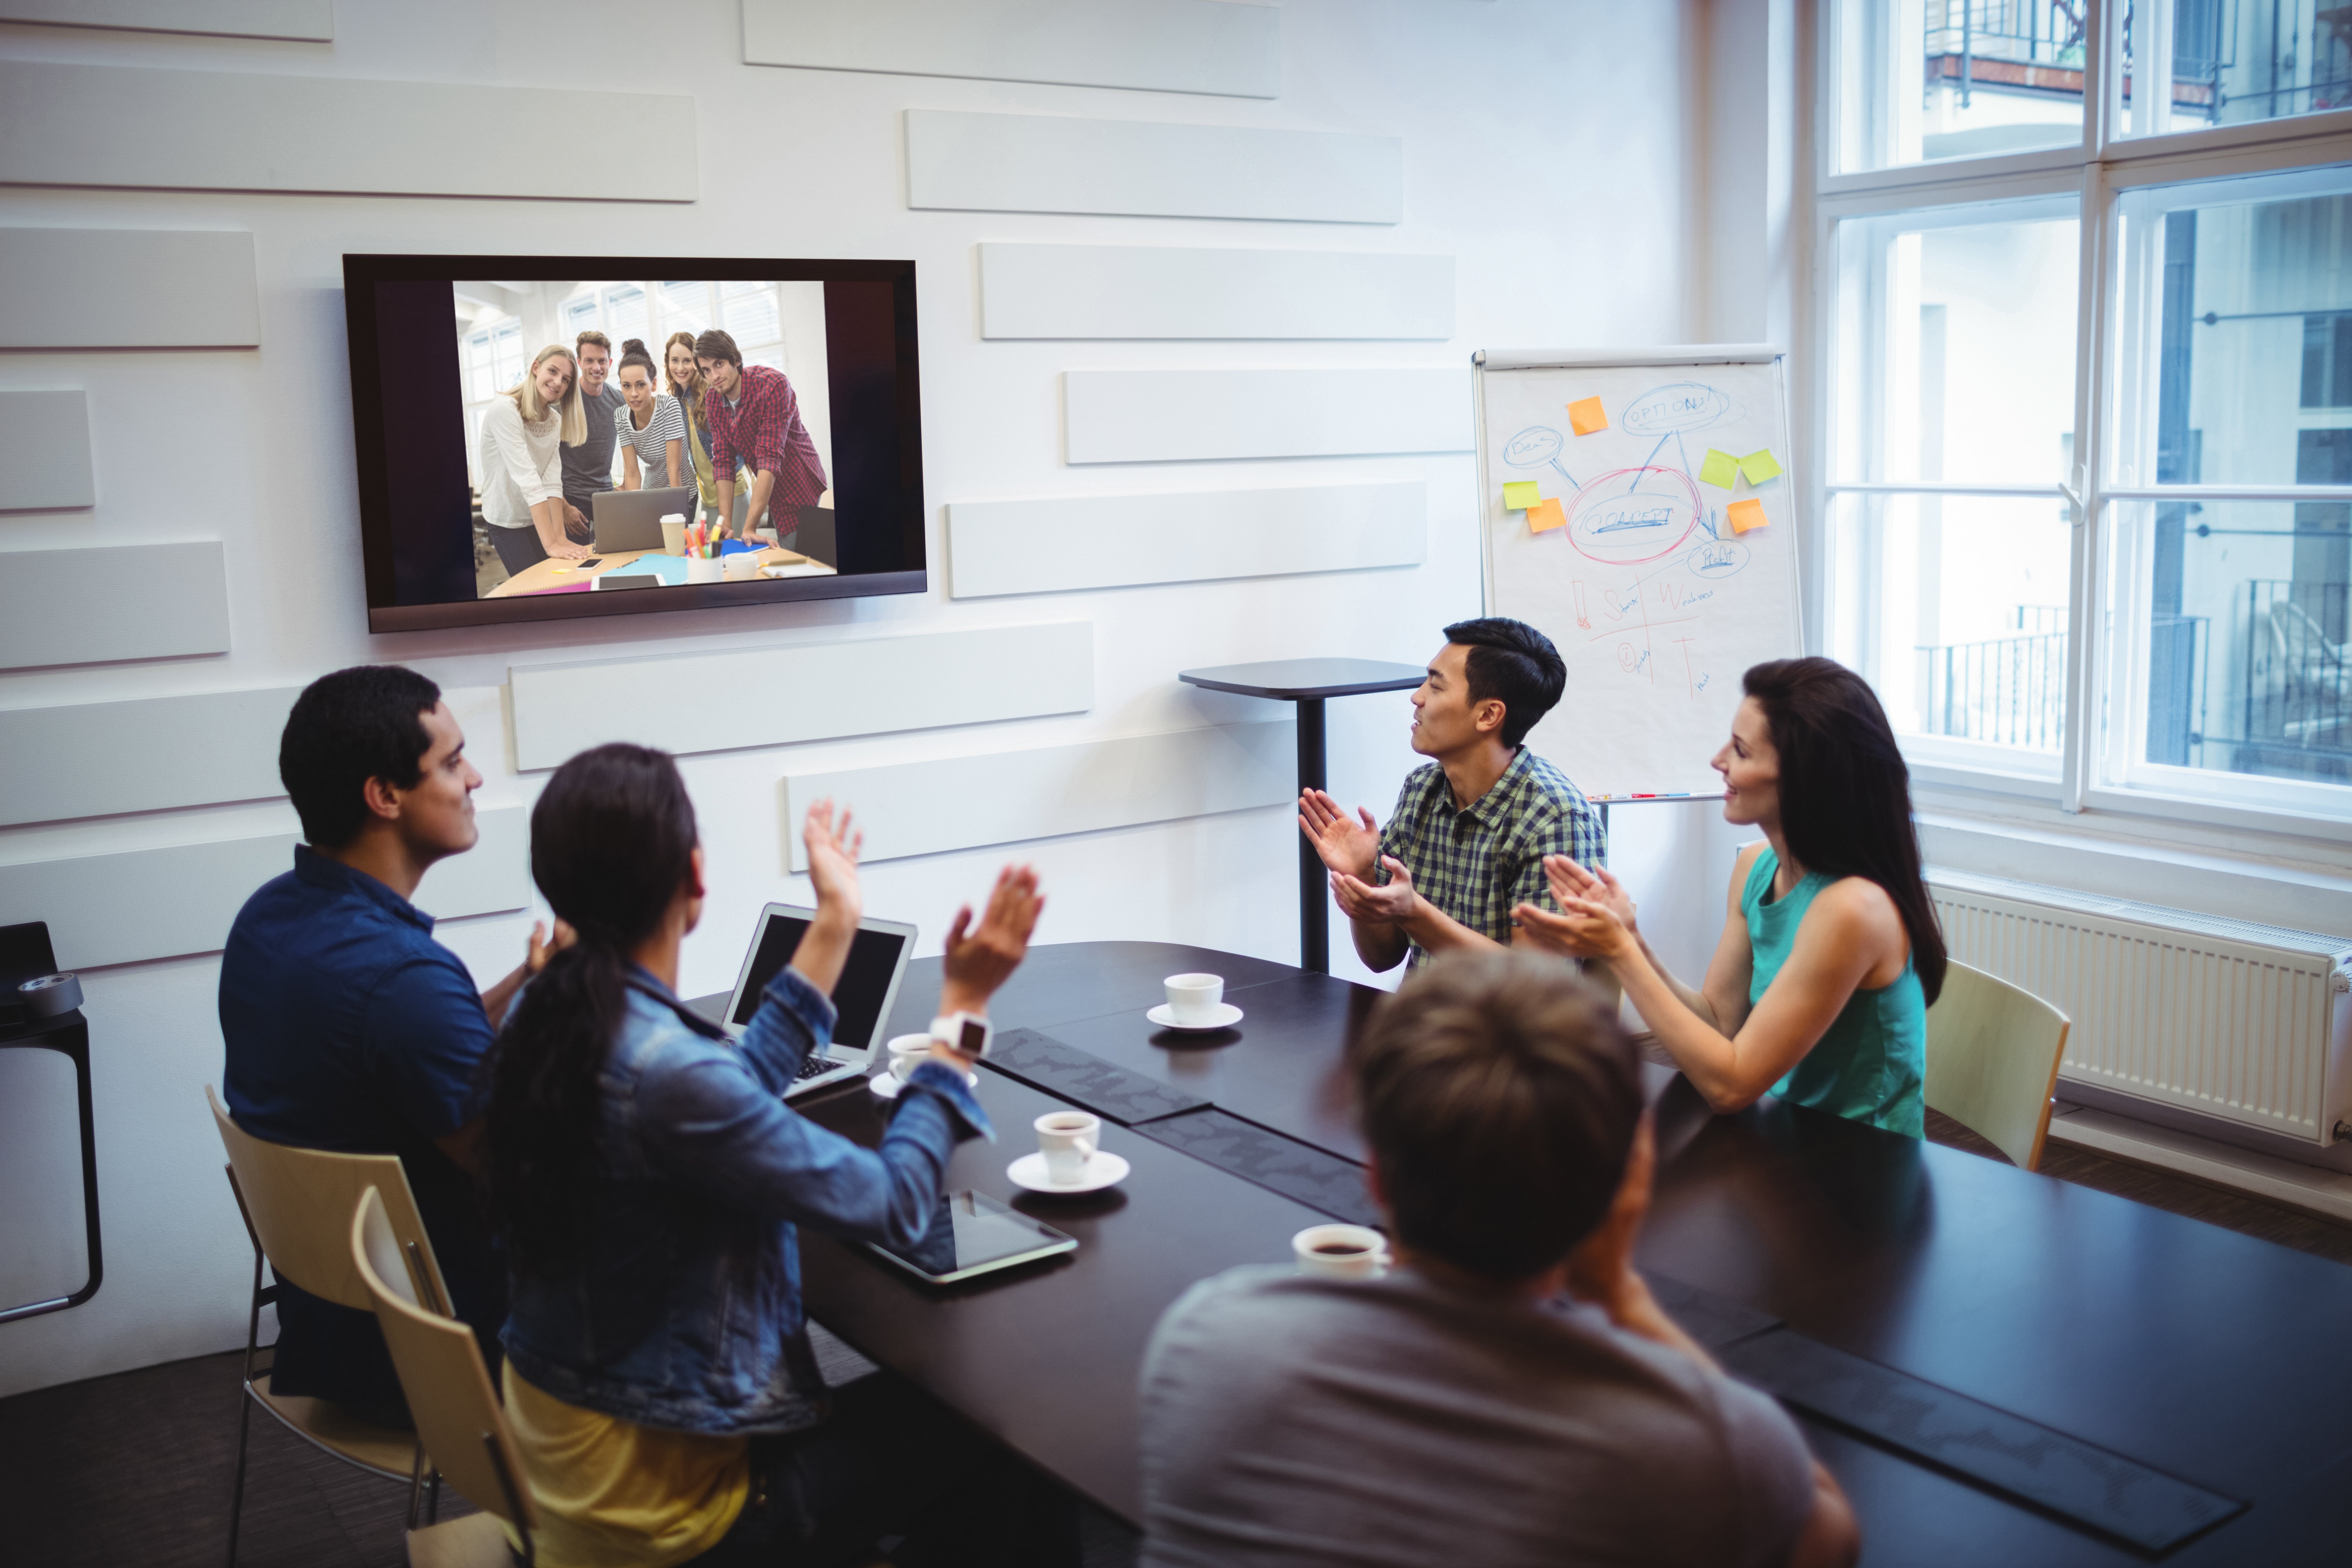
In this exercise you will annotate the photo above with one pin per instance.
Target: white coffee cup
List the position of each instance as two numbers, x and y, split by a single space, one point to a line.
908 1052
1067 1139
673 527
701 569
743 566
1341 1251
1194 998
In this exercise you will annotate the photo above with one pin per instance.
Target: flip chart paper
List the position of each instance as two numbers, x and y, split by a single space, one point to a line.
1746 514
1519 495
1760 465
1585 417
1721 469
1545 515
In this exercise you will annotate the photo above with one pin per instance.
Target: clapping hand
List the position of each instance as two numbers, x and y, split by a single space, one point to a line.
981 957
1388 903
833 850
1347 845
1593 884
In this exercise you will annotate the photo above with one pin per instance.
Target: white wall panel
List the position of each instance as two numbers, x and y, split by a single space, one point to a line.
1166 291
1166 46
126 287
805 691
1054 163
97 759
312 21
45 451
102 605
1176 416
211 130
160 903
1008 797
1114 541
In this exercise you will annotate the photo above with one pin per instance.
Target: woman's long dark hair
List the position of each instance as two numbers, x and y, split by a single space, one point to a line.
612 841
1846 793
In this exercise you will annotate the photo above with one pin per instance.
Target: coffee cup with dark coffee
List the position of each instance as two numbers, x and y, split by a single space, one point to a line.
1341 1251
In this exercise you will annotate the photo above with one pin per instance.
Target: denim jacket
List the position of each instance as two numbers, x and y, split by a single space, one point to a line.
685 1311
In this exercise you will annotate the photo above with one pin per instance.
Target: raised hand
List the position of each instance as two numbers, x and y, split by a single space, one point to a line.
1593 884
981 957
1388 903
1349 844
1581 929
833 849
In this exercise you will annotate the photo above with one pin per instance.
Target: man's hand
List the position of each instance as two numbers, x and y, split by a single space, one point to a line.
573 518
1349 845
833 849
543 947
1594 885
1390 904
981 957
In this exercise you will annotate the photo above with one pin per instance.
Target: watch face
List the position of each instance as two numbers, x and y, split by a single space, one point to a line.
974 1038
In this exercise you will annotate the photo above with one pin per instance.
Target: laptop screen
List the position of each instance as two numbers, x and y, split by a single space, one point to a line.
864 979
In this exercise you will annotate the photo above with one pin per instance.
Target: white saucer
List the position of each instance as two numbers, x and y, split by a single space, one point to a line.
1105 1170
887 1084
1225 1018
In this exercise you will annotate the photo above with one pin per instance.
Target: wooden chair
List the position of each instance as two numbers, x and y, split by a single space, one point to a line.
296 1205
448 1388
1993 1060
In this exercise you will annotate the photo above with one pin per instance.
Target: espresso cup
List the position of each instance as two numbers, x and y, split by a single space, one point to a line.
1194 998
908 1052
673 527
1341 1251
1067 1139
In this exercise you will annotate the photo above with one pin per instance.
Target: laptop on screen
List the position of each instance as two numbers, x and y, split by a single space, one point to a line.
862 1001
631 520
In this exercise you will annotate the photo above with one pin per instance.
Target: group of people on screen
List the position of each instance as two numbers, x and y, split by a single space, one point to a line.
699 419
614 1186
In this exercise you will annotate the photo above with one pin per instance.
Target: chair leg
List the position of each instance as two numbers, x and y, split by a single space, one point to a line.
433 1496
237 1493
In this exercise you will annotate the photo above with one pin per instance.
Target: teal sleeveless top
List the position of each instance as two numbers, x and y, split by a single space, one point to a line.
1872 1064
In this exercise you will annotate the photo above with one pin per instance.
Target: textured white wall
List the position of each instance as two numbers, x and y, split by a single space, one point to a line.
1543 149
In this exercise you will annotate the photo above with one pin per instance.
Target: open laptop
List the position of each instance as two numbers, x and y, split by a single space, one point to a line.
862 1001
631 520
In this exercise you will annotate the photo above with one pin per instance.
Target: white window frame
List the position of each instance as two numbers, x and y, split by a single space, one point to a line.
2101 170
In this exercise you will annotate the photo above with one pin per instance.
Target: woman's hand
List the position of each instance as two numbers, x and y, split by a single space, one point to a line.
833 850
567 551
981 957
1582 929
1594 885
544 947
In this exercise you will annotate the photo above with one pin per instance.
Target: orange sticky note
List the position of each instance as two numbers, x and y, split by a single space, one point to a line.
1746 514
1585 417
1545 515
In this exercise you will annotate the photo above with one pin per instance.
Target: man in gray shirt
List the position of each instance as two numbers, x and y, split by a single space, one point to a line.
588 468
1511 1394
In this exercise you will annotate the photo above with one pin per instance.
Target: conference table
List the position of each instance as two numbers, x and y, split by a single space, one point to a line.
551 576
2192 1353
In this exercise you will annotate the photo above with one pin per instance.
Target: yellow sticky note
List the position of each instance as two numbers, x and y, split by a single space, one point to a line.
1721 469
1760 465
1745 514
1545 515
1585 417
1519 495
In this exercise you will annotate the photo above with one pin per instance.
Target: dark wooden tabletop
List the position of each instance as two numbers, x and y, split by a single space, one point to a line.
1289 680
2198 1352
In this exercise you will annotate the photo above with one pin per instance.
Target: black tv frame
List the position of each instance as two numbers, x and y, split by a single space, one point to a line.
905 508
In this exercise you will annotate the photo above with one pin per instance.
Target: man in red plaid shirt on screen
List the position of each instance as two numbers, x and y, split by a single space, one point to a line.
755 424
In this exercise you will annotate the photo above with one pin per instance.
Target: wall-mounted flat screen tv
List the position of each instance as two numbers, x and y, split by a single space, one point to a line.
542 437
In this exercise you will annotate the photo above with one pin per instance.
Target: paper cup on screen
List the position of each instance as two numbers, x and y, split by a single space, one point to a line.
698 570
743 566
673 527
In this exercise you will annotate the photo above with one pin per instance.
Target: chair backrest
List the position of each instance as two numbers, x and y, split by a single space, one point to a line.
1993 1060
300 1202
441 1371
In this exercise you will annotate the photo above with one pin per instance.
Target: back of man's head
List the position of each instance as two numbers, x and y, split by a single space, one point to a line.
1512 661
362 723
1500 1098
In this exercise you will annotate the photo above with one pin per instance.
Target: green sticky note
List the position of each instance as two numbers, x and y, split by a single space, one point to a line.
1519 495
1721 469
1760 465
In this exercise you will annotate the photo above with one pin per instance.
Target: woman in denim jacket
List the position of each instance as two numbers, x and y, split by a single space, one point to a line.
648 1176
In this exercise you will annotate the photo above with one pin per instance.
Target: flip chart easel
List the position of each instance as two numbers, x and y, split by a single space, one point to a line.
1649 532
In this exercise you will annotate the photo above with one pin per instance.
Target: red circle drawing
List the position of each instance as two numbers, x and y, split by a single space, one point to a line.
1597 499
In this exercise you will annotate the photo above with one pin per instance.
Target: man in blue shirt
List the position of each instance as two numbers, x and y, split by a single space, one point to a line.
349 1028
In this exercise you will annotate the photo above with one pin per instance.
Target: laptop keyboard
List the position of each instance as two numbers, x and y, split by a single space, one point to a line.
817 1063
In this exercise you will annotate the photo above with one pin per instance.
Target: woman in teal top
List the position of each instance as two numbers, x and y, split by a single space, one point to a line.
1831 954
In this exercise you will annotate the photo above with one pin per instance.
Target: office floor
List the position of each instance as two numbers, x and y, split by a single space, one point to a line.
135 1468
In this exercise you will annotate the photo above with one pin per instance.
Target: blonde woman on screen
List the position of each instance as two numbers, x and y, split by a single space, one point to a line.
522 467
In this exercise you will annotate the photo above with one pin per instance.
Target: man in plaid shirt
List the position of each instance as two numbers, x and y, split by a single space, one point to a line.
1467 842
755 422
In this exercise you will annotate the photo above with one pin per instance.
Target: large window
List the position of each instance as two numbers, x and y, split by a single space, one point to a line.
2087 452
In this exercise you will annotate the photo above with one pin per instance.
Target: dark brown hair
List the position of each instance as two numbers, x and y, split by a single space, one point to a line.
1500 1098
1846 793
362 723
633 352
1512 662
718 344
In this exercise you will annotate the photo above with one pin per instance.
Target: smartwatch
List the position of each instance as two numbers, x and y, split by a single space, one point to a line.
966 1032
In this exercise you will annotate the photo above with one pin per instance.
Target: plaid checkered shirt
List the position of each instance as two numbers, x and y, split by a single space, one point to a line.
1481 862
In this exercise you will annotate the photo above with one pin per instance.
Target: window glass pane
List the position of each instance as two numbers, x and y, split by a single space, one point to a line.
2236 654
508 344
579 315
2228 62
2235 357
686 308
1956 347
624 314
752 315
1955 608
1924 81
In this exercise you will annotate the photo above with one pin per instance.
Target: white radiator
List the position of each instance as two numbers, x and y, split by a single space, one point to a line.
2223 1017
